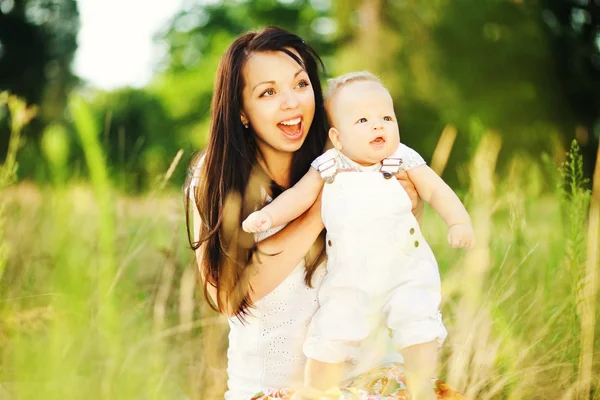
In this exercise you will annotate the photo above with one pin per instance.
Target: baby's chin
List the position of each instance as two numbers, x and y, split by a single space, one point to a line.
380 153
373 154
371 159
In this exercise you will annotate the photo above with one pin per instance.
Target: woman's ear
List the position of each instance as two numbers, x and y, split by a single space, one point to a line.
244 120
334 136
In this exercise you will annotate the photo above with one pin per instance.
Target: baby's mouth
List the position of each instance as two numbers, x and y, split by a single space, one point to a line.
378 140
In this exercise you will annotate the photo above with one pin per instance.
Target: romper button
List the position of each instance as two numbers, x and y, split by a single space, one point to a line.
416 243
412 231
329 243
387 175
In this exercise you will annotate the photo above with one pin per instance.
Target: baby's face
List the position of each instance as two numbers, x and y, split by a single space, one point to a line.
363 114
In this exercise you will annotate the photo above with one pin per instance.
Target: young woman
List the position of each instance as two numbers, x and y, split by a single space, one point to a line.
268 124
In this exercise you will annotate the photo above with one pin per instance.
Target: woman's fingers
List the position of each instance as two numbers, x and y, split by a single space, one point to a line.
409 187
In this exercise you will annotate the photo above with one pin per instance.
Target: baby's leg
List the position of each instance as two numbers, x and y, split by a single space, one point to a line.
334 336
319 377
420 363
413 315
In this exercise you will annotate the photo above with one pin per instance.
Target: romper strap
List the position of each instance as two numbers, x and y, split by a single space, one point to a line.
328 170
391 165
327 165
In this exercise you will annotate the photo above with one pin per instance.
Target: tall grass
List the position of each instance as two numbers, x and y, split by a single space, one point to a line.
20 116
98 297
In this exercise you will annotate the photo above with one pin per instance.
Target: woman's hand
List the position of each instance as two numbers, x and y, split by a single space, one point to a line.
413 195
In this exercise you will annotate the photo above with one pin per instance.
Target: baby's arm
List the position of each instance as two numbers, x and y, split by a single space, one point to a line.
288 206
444 201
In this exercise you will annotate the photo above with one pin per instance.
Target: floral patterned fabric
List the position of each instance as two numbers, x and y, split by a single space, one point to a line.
382 383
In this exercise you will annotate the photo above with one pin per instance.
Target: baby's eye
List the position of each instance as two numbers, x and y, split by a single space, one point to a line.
387 118
268 92
362 120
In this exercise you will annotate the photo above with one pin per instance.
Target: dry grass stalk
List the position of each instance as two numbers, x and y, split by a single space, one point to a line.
442 151
590 290
466 364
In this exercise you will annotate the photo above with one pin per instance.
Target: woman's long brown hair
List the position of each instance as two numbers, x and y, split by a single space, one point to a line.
229 188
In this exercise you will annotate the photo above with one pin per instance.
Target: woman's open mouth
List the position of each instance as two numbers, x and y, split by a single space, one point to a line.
292 128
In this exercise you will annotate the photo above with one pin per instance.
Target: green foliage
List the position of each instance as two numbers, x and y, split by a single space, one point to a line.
480 67
19 116
517 68
138 136
38 40
575 200
38 43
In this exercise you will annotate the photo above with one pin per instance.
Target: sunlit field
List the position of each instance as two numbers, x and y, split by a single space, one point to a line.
99 300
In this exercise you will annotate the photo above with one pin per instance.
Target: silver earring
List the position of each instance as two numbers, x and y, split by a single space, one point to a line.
245 125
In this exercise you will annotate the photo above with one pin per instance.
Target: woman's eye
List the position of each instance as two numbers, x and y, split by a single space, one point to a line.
362 120
268 92
387 118
303 83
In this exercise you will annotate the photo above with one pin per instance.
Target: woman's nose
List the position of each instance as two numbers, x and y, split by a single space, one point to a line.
289 100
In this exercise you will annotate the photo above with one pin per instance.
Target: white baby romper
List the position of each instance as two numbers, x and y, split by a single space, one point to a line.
380 269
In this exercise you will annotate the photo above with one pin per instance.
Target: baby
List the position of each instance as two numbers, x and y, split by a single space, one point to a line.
380 269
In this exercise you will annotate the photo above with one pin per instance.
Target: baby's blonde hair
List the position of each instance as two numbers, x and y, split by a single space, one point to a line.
335 84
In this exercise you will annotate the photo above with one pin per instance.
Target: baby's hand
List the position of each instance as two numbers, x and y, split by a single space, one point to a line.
258 221
461 236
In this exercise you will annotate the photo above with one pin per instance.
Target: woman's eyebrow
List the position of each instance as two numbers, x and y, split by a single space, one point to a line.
273 82
262 83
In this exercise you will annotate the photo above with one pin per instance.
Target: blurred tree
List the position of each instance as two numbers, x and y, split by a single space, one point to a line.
37 44
138 136
498 62
574 29
488 66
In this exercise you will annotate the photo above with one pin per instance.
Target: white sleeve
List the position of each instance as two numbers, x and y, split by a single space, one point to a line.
194 173
410 158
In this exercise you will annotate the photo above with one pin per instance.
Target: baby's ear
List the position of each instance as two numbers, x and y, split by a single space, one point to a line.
334 136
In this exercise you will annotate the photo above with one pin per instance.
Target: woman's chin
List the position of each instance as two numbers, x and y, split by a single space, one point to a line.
292 147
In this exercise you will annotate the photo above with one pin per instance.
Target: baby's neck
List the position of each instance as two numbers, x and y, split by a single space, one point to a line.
361 165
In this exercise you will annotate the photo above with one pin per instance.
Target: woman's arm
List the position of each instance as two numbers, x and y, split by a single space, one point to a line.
286 248
279 254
